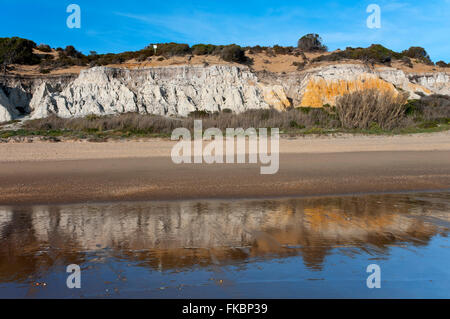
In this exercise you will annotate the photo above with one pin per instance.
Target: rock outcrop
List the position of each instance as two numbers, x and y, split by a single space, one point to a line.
323 85
162 91
16 93
7 111
179 90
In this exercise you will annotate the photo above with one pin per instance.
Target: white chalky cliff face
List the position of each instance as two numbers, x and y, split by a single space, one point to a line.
162 91
179 90
7 111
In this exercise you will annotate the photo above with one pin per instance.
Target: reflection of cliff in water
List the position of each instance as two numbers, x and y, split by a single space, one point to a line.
183 234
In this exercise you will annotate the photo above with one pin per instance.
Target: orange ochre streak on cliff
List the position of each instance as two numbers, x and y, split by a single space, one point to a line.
320 92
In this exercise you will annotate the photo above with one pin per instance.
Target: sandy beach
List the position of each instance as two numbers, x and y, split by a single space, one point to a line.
72 172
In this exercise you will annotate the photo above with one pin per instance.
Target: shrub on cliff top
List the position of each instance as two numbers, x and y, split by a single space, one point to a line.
255 49
70 51
17 51
418 53
233 53
379 54
203 49
376 53
172 49
44 48
311 43
282 50
442 64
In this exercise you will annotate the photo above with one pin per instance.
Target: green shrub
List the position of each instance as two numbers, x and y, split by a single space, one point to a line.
294 124
442 64
282 50
17 51
233 53
311 43
256 49
70 51
44 48
305 110
203 49
418 53
172 49
413 107
376 53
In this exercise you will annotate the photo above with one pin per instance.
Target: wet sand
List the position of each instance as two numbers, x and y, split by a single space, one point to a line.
157 178
72 172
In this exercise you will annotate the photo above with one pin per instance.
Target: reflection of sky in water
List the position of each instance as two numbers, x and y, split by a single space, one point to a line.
316 247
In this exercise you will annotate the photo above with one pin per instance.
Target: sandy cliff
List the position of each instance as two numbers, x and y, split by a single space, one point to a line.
179 90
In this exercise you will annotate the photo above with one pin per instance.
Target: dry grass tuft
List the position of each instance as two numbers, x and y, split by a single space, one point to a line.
364 109
153 124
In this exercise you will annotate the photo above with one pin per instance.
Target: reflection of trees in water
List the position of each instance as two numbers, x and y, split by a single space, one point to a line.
182 234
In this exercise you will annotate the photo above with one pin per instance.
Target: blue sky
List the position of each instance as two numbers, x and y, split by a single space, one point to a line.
116 26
